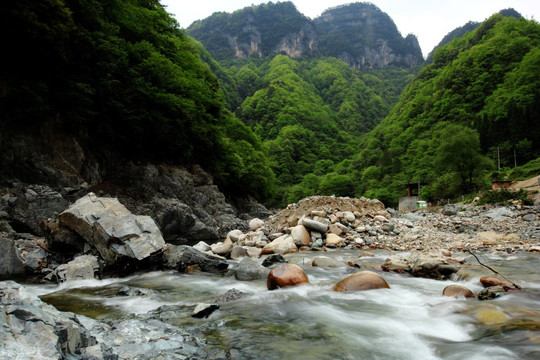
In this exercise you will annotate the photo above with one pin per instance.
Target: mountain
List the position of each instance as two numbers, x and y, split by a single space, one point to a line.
257 31
359 34
470 26
483 87
363 36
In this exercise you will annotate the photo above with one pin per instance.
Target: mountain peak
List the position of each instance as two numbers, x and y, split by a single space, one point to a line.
359 33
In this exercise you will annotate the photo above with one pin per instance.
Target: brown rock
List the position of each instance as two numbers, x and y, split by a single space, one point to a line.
458 290
286 275
488 281
334 229
363 280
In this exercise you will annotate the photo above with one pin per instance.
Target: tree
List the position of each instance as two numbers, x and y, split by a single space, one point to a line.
459 152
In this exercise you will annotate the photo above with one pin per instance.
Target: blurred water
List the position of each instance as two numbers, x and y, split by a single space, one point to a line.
411 320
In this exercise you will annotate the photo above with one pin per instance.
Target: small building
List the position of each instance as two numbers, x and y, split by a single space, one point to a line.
412 200
500 184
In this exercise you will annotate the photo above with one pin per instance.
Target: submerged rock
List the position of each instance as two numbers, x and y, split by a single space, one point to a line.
250 269
112 229
363 280
457 290
286 275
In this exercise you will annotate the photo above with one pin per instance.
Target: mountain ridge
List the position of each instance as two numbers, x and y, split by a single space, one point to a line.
360 34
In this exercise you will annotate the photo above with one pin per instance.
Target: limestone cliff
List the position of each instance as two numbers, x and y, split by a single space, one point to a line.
257 31
363 36
360 34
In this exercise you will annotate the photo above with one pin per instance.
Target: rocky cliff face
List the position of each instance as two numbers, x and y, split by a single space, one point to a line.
360 34
45 170
363 36
257 31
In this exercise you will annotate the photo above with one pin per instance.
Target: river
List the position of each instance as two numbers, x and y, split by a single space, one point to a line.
411 320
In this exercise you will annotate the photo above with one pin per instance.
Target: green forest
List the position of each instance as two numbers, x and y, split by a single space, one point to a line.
123 74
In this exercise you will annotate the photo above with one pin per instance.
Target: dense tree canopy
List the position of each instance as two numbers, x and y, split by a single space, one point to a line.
123 77
486 80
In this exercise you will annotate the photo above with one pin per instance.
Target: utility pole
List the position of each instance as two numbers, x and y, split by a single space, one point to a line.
499 158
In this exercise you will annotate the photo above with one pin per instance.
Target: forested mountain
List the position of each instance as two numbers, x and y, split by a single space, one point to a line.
122 79
359 34
460 31
481 94
269 118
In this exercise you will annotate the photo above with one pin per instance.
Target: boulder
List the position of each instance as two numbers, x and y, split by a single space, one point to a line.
11 263
457 291
81 268
234 235
334 229
238 252
492 316
222 248
204 310
314 225
360 281
488 281
326 261
348 216
249 269
281 245
273 259
202 246
112 229
32 329
181 256
300 235
37 204
426 265
333 239
286 275
255 224
380 218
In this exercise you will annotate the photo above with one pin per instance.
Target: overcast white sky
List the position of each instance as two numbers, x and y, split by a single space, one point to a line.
429 20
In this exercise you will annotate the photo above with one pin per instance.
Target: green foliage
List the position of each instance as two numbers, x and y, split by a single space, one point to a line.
526 171
124 78
459 152
503 196
486 81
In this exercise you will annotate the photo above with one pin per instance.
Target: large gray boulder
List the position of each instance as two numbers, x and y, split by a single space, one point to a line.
10 262
35 205
112 229
33 330
81 268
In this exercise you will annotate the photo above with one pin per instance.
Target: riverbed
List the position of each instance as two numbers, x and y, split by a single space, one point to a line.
411 320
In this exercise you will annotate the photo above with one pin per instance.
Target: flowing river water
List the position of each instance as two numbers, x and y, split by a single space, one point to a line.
411 320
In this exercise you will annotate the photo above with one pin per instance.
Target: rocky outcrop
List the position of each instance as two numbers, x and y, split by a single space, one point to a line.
363 36
360 34
31 329
257 31
112 229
